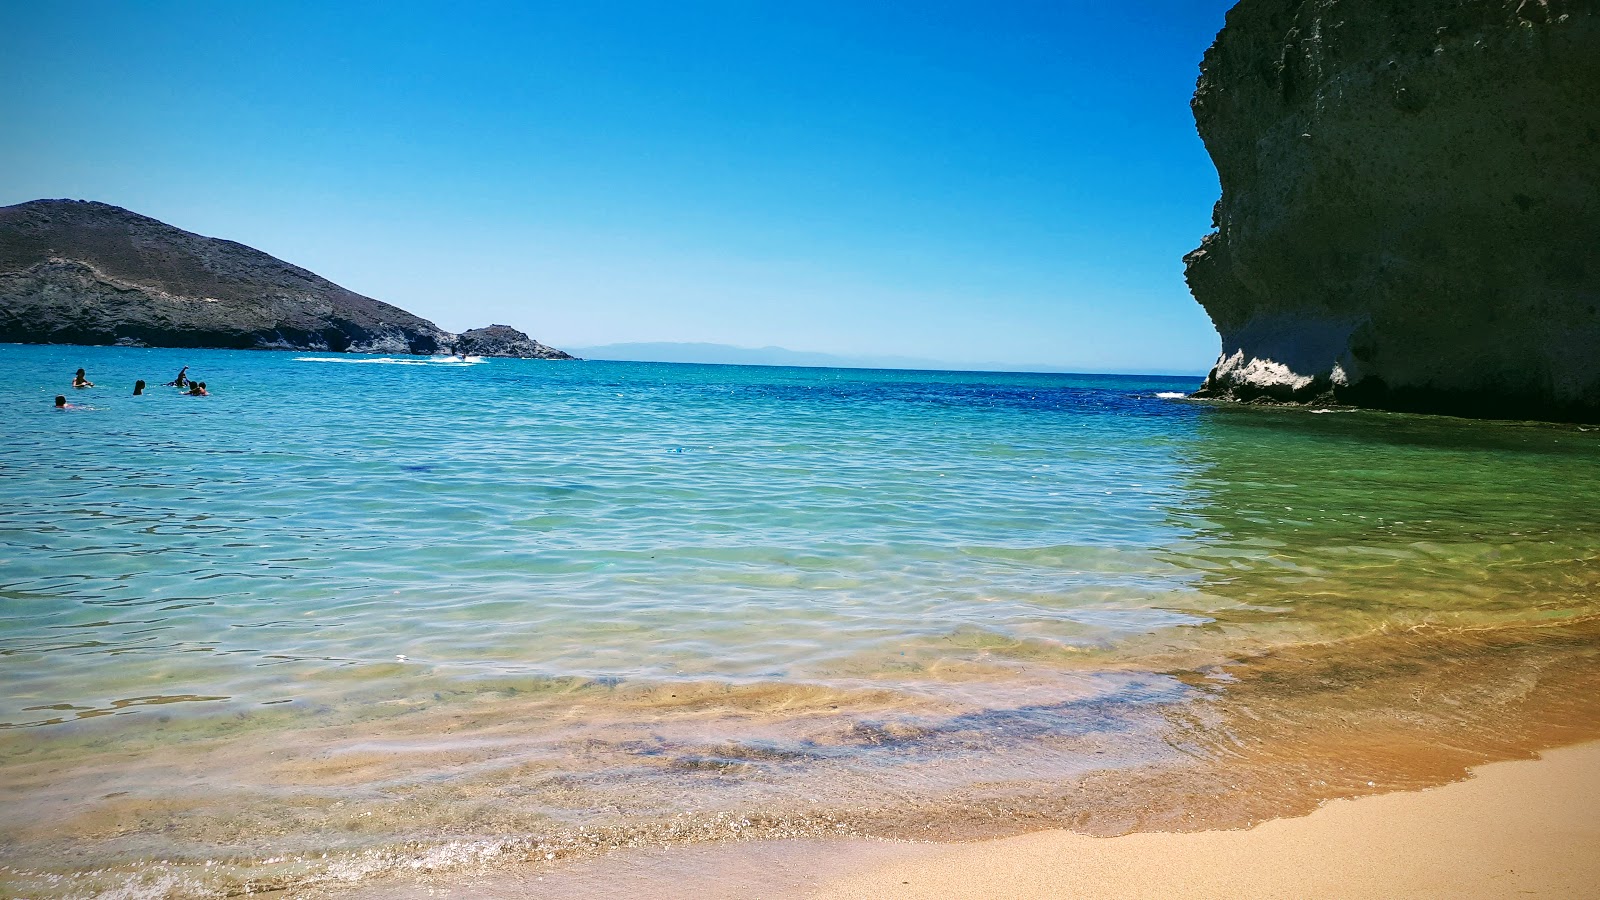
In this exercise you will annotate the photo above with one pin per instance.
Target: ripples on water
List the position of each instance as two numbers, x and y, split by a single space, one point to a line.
344 606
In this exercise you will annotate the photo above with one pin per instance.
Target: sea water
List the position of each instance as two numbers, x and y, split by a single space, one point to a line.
352 615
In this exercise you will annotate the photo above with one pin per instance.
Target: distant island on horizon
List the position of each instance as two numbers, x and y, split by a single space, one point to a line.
728 354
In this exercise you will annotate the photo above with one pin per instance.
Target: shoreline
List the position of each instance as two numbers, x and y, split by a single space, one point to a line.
1286 734
1513 827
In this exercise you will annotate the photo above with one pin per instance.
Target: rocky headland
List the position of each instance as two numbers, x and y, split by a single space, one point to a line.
80 272
505 341
1410 211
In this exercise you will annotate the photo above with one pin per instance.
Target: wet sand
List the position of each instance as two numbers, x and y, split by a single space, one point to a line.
1523 828
1519 828
479 795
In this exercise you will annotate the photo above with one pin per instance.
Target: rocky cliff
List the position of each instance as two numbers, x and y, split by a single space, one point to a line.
77 272
1410 211
503 340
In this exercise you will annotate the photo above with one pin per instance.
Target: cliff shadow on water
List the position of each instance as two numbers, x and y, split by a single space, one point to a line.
1398 598
1410 209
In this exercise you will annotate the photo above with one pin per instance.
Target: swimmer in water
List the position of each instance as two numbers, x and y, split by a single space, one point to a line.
78 381
138 388
61 402
198 389
180 381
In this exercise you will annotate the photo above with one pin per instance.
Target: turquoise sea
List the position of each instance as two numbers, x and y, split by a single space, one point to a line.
350 617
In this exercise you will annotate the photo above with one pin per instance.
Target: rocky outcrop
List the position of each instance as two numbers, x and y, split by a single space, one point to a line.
78 272
1410 212
503 340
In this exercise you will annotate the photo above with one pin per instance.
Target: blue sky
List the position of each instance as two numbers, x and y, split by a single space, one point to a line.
999 183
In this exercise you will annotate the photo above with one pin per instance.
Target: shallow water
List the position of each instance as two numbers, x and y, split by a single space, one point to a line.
350 615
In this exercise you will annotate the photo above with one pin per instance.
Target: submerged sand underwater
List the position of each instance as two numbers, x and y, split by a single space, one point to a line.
536 612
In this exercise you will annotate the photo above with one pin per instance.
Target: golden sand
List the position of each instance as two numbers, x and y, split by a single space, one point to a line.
1515 829
1524 828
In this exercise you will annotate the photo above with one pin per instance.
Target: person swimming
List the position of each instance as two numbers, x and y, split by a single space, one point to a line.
79 381
61 402
138 388
198 389
180 381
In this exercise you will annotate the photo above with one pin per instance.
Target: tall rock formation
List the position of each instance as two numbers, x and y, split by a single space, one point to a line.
78 272
1410 212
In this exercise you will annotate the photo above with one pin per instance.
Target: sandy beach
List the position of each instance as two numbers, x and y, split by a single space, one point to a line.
1524 828
1520 828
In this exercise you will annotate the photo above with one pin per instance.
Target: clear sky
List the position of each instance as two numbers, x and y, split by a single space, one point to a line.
997 182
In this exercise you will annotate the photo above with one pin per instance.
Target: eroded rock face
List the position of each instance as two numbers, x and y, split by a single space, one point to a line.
1410 212
78 272
503 340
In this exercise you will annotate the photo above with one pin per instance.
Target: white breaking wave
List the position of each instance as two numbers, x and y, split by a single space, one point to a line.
392 361
1171 395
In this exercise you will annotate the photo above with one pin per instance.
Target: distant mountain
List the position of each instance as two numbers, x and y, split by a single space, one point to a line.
80 272
725 354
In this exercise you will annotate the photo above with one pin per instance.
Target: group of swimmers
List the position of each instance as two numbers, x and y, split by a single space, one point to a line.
185 385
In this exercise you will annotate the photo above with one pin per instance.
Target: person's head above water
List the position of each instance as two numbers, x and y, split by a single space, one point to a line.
61 402
138 387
